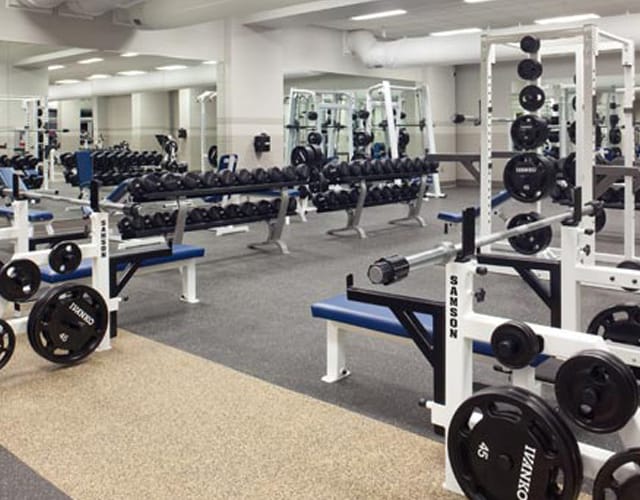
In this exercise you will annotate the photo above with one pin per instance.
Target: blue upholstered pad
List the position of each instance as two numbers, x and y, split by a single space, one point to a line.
180 252
34 215
456 217
380 319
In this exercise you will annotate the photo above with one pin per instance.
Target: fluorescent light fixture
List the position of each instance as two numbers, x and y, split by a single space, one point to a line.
463 31
55 67
379 15
210 62
171 67
67 82
91 60
567 19
98 76
132 72
129 54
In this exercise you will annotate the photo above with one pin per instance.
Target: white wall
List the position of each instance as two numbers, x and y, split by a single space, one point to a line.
150 115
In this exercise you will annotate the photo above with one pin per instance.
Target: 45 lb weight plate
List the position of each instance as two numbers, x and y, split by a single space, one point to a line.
529 177
506 443
614 483
532 242
529 132
68 323
7 343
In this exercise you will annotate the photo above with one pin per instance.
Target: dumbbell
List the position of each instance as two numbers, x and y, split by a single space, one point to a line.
333 200
289 174
406 165
365 168
161 220
232 211
264 208
375 167
396 193
415 189
275 174
343 170
293 206
245 177
248 209
321 202
261 176
331 172
228 178
216 213
396 165
387 194
344 199
303 173
150 183
197 215
375 196
405 192
191 181
354 169
170 182
354 196
210 179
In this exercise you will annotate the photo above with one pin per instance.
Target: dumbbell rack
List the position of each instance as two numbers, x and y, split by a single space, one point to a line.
275 224
354 214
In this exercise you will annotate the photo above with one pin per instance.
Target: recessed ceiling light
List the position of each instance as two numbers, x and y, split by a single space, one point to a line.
91 60
171 67
378 15
567 19
55 67
210 62
98 76
132 72
464 31
67 82
129 54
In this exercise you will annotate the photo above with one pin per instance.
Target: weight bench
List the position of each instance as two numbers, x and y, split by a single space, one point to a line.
345 316
450 218
35 216
184 258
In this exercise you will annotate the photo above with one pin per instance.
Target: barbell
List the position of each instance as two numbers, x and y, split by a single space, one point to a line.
395 268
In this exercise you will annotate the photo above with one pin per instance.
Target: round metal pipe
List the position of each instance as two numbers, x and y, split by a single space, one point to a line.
109 205
391 269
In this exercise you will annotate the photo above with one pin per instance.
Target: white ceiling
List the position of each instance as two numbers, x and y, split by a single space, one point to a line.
427 16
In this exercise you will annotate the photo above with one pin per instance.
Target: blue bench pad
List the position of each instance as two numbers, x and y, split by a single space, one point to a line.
456 217
34 215
381 319
180 252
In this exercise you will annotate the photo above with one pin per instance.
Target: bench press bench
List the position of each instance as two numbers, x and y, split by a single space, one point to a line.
344 316
184 258
451 218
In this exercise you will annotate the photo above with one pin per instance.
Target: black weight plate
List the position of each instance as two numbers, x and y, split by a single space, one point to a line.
633 266
532 98
619 323
303 154
529 177
65 257
615 136
533 242
529 132
597 391
608 483
530 44
515 344
529 69
68 323
303 173
19 280
506 443
7 343
315 138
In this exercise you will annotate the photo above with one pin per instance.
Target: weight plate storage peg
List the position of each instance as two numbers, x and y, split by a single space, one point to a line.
533 242
19 280
529 177
506 443
532 98
68 323
516 345
597 391
529 132
7 343
618 479
65 257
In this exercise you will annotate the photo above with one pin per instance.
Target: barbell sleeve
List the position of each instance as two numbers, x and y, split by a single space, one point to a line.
389 270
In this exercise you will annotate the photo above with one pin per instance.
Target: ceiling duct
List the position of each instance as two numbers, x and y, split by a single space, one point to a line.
92 8
41 4
462 49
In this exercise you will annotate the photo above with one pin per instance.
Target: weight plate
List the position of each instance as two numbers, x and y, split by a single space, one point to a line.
597 391
530 44
532 98
529 69
616 480
529 177
532 242
615 136
507 443
68 323
19 280
529 132
65 257
315 138
619 323
7 343
515 344
303 155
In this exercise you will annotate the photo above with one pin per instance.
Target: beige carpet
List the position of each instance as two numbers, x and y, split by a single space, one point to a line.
148 421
